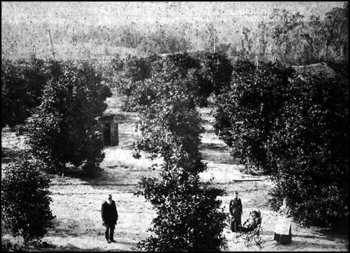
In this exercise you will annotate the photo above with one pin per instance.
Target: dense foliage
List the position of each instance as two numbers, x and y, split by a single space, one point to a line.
215 74
22 84
311 151
64 129
188 212
123 73
25 204
295 126
248 109
128 74
8 246
134 77
13 109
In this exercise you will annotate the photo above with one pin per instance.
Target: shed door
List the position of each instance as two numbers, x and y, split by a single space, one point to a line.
107 134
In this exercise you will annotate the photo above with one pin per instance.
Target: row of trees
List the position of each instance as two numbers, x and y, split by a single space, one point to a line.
294 40
295 127
132 76
79 41
189 217
292 125
56 106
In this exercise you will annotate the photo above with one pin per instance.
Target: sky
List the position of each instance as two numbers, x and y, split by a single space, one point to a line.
111 13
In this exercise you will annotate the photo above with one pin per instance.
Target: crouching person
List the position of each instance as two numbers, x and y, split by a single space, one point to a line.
109 217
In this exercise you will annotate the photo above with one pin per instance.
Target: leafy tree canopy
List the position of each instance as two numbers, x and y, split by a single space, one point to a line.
65 130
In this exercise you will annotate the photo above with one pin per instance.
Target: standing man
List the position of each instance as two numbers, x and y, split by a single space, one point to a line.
109 217
236 210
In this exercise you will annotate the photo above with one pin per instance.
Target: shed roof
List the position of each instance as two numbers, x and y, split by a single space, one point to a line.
317 69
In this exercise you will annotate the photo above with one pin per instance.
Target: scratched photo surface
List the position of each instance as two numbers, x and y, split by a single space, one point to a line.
292 33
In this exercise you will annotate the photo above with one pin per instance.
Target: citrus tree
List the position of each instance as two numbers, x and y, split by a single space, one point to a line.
189 216
22 84
64 129
310 149
249 109
25 201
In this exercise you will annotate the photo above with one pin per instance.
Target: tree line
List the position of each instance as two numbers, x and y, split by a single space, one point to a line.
287 36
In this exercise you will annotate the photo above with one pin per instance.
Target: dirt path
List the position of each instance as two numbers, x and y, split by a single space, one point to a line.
76 204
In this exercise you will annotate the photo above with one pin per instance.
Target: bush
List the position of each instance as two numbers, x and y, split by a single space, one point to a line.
8 246
65 129
189 217
25 204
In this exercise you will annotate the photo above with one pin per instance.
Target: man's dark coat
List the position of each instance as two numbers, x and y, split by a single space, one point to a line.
109 213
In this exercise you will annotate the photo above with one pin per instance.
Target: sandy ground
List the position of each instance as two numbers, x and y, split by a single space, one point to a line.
77 202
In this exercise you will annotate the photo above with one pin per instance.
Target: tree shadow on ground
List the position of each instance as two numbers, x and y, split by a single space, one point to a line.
214 146
126 243
335 233
66 232
77 173
70 248
64 229
216 153
307 242
299 244
308 236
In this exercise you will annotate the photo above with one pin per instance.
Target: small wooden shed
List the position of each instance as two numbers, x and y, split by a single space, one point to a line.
110 129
